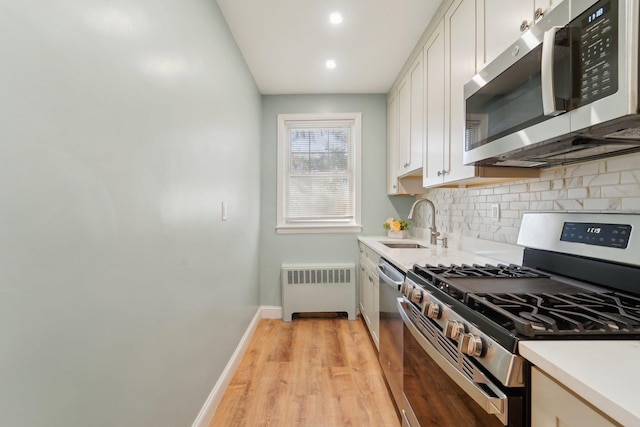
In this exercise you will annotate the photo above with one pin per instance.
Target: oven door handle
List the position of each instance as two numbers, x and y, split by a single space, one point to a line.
496 405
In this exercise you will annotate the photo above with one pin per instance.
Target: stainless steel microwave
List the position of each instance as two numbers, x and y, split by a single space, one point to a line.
566 91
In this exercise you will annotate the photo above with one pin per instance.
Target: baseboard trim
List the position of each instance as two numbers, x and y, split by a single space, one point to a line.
215 397
271 312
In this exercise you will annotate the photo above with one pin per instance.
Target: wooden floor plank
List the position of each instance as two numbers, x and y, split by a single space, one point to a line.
311 372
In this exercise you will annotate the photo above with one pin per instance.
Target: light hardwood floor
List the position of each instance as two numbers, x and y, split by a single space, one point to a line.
311 372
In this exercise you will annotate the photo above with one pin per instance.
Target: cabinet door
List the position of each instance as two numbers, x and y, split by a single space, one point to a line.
417 114
499 25
392 143
460 67
372 316
545 5
553 405
375 311
411 119
363 280
434 70
404 124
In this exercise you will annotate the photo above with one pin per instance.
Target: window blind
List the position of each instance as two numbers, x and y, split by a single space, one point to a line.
320 179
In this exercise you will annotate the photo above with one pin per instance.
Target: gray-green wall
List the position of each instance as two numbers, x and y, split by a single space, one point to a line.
123 126
276 249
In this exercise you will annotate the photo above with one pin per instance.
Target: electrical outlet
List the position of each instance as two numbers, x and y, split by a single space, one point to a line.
495 212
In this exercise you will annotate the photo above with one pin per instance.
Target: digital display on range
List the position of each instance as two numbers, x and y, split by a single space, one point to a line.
609 235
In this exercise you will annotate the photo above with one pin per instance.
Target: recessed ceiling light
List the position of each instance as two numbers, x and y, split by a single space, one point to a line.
330 64
335 18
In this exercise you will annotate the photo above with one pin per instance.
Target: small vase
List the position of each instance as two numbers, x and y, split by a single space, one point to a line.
402 234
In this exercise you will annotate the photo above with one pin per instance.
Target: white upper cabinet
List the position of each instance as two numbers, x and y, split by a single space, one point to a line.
541 7
460 67
434 73
450 62
501 22
396 185
411 119
429 94
404 125
392 143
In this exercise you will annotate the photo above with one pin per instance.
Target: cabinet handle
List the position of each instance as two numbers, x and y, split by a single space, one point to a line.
442 173
539 13
524 26
406 165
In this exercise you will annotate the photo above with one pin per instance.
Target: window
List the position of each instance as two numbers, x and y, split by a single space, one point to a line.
319 173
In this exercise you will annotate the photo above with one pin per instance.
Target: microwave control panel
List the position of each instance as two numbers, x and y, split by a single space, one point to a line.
596 32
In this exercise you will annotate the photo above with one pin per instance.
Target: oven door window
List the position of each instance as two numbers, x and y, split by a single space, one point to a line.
435 399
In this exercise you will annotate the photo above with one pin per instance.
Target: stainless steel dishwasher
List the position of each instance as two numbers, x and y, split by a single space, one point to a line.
390 353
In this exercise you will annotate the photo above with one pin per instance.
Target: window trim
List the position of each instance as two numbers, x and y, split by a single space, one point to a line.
355 226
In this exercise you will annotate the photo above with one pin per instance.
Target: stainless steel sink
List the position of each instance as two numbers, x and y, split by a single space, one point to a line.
403 245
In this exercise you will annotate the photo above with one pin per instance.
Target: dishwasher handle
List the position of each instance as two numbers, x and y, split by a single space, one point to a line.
385 271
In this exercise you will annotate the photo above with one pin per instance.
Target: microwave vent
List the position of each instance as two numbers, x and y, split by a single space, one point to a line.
631 133
521 163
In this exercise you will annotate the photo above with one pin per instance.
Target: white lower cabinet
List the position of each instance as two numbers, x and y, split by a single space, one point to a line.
369 288
553 405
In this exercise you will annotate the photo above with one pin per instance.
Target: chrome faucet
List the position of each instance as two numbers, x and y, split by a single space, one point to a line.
434 230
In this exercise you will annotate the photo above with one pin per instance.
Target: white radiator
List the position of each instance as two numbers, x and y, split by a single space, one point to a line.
316 288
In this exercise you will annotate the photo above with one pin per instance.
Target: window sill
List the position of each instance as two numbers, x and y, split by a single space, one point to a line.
317 229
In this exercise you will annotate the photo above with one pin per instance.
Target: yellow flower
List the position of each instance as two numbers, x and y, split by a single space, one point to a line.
395 226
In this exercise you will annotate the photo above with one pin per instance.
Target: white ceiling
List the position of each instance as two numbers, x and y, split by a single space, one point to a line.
287 42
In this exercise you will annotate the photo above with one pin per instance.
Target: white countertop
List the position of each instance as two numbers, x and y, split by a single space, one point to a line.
604 373
461 250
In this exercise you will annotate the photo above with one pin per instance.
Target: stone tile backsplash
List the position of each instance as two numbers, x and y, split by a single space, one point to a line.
608 185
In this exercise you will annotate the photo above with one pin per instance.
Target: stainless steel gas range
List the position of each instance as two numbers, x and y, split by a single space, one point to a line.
579 279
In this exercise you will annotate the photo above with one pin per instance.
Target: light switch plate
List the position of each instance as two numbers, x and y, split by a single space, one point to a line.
225 211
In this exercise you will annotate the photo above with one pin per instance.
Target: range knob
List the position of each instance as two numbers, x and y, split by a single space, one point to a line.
433 311
408 290
416 295
454 329
404 288
471 345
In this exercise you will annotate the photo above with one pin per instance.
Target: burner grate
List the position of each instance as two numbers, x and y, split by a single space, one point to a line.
476 270
582 313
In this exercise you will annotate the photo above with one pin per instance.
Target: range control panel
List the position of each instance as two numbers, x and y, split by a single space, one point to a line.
609 235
